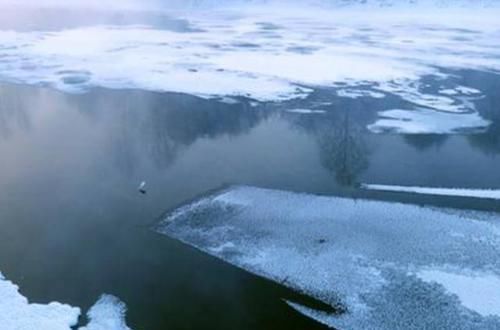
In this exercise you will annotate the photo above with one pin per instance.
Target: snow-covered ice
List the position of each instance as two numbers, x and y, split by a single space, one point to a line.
377 259
16 313
259 54
460 192
427 121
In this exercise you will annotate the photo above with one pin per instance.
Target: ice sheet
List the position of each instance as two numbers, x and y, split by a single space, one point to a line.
365 255
426 121
462 192
266 55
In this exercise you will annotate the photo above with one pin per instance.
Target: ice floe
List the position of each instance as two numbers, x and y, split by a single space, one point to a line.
377 259
460 90
451 101
427 121
262 54
354 94
16 313
460 192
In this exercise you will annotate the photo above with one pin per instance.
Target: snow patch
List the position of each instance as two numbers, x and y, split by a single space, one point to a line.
426 121
460 90
476 291
16 313
412 92
228 100
108 313
354 94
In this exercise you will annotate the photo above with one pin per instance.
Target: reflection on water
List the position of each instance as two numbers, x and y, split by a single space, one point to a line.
489 143
13 114
343 150
489 107
426 141
74 225
341 143
159 126
143 134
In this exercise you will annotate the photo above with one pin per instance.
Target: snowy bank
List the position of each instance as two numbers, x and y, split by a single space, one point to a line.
16 313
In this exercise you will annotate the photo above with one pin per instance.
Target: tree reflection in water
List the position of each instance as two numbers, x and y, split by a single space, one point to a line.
13 111
343 149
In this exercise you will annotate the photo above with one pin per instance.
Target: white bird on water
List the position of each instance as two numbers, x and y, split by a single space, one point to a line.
142 188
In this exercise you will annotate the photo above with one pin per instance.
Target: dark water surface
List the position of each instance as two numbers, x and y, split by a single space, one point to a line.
73 225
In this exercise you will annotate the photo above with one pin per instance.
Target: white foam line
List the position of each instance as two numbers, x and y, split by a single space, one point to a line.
306 111
320 316
460 192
